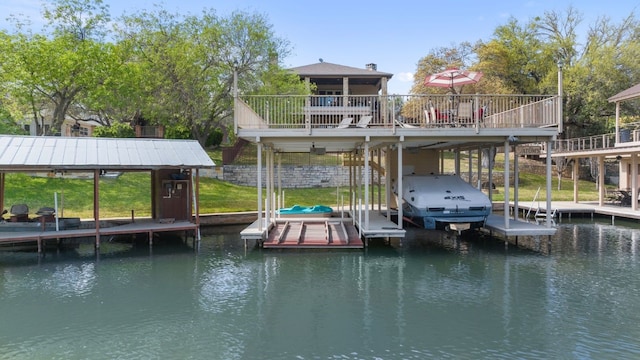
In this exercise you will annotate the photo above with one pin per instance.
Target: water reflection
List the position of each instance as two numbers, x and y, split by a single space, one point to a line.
225 284
427 296
62 281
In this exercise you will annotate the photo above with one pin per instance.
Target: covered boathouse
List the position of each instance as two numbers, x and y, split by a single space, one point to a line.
351 113
173 164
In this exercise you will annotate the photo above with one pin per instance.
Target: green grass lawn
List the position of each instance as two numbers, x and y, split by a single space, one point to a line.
132 191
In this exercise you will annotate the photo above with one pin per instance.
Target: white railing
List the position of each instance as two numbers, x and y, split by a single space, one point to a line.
247 118
587 143
536 113
315 111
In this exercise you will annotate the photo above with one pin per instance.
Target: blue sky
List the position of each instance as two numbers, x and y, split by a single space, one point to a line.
354 33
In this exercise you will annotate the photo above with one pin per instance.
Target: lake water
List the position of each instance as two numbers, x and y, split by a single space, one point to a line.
441 298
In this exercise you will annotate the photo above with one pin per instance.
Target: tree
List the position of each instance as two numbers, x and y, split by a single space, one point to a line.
514 60
53 74
189 64
561 165
439 59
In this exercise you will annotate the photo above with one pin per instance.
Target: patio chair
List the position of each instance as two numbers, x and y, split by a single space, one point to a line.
364 121
438 118
345 123
405 125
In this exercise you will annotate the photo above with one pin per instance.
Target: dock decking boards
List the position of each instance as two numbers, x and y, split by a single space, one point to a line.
313 233
140 227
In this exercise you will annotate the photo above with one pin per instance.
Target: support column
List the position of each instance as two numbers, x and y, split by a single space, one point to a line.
259 184
506 184
96 206
351 182
601 176
387 180
267 203
548 218
2 182
367 179
280 194
634 181
379 162
400 213
576 180
516 174
470 154
479 165
490 172
197 202
272 185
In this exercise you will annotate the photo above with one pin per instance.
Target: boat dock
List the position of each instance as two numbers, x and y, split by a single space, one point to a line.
567 209
332 232
139 227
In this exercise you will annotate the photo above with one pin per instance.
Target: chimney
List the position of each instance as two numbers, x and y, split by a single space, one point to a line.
372 67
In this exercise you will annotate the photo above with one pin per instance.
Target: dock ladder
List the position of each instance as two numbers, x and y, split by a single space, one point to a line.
539 213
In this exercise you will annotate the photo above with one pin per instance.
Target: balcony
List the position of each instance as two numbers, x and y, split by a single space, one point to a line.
410 111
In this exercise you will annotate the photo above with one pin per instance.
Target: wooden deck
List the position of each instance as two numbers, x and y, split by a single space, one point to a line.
313 233
140 227
334 232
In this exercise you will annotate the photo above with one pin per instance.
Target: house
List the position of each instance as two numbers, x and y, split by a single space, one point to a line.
343 91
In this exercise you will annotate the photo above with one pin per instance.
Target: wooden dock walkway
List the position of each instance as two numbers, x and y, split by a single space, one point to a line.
139 227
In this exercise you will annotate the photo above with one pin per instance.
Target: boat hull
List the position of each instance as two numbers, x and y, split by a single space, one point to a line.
444 202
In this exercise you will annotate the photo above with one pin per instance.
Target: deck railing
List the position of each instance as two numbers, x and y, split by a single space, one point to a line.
595 142
588 143
315 111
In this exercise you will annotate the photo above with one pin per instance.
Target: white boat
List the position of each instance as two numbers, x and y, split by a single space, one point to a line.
444 202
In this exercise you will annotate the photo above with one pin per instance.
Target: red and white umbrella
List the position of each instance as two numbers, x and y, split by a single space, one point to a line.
452 78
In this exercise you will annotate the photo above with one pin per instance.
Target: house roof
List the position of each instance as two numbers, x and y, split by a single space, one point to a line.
630 93
325 69
19 153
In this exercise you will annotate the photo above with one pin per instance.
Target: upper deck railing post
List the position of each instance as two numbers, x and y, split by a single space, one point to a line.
235 101
307 116
477 116
560 95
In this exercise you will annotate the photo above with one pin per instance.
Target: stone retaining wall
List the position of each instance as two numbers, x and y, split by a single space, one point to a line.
293 176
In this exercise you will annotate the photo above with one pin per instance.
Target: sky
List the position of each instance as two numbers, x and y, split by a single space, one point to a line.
394 36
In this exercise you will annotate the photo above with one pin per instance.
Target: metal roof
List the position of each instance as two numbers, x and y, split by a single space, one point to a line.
88 153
